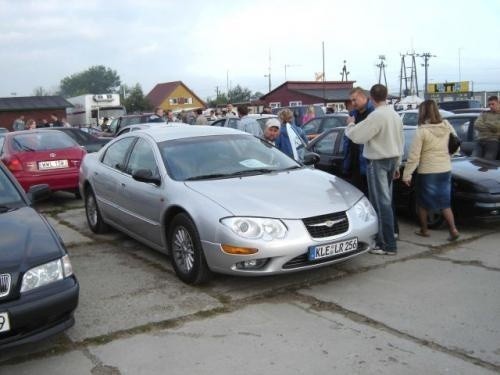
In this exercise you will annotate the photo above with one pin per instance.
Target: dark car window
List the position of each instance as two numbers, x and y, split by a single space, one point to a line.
461 126
410 118
232 123
8 193
142 157
332 122
115 154
327 144
2 141
42 141
123 131
219 122
312 126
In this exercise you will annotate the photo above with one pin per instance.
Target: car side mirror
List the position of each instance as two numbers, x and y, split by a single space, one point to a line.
146 175
310 158
39 192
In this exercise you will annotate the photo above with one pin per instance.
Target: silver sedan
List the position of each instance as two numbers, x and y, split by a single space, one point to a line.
220 200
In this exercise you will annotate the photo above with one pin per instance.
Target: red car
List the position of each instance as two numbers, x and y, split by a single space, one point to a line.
42 157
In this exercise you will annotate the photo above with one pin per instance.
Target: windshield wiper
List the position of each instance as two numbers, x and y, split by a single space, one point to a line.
4 209
293 167
23 147
233 174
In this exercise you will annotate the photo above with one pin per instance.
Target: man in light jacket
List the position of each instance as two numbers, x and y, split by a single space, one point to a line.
381 133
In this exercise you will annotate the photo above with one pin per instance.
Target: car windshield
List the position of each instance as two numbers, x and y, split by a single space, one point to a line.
42 141
9 196
222 156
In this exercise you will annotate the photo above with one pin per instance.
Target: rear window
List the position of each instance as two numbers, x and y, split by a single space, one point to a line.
42 141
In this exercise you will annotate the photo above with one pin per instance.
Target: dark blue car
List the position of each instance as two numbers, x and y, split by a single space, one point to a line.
38 290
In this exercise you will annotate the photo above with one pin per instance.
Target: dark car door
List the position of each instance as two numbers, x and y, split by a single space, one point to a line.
464 127
329 149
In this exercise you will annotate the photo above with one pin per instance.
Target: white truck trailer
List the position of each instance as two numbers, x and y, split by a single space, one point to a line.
90 109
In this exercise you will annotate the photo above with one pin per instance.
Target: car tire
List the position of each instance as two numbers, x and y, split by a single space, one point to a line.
186 252
94 218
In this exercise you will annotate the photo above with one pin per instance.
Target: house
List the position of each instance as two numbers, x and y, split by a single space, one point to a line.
295 93
175 96
31 107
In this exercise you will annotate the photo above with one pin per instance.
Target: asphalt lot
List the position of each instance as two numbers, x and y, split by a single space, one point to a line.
434 308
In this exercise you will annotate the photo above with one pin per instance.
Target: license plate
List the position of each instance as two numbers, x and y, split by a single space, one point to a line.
4 322
332 249
53 164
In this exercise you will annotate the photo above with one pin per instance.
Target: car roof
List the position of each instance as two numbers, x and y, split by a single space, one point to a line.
180 131
466 114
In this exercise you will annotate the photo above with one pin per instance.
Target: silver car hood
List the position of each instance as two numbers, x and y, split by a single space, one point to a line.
293 194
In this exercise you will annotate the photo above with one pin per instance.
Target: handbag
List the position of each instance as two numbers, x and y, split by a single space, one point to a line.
453 143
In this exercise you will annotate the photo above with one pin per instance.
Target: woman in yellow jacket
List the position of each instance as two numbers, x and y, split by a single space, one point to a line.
429 155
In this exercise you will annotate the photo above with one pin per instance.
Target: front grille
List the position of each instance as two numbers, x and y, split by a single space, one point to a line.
327 225
303 260
4 284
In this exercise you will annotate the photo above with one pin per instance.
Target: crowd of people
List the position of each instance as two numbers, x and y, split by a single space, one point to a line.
21 124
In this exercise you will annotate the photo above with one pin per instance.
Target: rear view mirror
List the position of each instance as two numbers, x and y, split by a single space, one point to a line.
40 192
146 175
310 158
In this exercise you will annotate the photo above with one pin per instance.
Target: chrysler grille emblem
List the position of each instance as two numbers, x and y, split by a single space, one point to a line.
4 284
52 155
328 223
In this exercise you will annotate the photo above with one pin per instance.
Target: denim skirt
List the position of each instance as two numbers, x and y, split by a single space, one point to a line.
434 190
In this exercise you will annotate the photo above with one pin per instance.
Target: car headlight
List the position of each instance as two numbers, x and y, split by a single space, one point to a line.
364 210
256 228
46 273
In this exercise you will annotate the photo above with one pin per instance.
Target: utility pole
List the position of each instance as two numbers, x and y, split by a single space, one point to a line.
324 88
268 75
426 56
344 73
217 94
289 66
403 78
381 65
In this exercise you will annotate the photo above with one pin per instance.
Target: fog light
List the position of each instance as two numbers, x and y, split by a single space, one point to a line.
251 264
235 250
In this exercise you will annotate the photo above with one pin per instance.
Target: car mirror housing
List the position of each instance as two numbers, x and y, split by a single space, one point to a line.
146 175
37 193
311 158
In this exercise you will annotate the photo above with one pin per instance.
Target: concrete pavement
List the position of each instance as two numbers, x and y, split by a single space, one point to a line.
434 308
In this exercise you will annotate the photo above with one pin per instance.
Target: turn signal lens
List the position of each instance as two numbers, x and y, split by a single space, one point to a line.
235 250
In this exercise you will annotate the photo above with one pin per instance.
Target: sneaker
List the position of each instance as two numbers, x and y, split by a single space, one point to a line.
378 251
390 253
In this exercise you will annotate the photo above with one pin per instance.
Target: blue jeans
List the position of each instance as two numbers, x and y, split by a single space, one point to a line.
380 174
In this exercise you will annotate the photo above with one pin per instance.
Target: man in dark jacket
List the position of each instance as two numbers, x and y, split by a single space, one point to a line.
354 165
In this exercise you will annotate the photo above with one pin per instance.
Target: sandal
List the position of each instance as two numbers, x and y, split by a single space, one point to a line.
422 234
454 236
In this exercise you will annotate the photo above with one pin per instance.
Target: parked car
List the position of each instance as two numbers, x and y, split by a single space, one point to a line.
476 182
410 116
299 112
463 124
471 110
319 124
232 122
132 128
96 132
221 200
38 290
4 130
90 142
459 104
120 122
43 157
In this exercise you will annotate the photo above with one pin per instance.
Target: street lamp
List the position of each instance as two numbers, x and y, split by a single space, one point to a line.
289 66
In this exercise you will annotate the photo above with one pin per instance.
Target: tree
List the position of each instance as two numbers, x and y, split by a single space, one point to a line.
134 99
40 91
95 80
218 101
239 94
256 95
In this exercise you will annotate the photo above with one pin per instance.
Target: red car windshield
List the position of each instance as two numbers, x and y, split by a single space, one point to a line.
42 141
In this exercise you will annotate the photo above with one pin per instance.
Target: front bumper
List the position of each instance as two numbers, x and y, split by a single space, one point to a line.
480 206
290 254
41 313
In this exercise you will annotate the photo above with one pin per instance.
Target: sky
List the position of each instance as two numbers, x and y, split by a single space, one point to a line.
210 44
